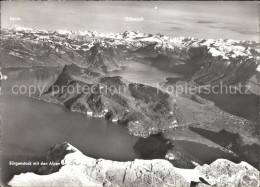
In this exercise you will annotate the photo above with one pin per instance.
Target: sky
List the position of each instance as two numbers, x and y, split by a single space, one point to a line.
206 19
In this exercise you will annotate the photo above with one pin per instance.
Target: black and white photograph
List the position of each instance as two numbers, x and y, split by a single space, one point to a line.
129 94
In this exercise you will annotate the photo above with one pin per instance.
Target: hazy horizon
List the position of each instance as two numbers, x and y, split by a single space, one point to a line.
220 19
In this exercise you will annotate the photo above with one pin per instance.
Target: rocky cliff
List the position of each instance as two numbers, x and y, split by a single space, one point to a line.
79 170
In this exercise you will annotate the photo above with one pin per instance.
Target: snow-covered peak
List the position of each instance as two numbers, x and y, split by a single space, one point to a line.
133 34
72 148
129 33
226 48
224 171
20 28
258 68
64 32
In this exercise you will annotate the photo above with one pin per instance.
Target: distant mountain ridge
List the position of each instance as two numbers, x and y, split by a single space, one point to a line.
206 61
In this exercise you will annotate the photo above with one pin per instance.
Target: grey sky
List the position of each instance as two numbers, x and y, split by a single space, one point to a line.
219 19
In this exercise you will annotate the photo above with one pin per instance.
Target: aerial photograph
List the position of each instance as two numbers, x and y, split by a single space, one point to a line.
130 94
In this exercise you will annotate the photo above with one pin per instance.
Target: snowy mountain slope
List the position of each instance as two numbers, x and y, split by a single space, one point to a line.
205 61
80 170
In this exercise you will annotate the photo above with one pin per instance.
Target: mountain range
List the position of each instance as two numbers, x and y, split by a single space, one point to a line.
86 58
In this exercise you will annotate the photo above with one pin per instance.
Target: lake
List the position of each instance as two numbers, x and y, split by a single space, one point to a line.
142 73
30 127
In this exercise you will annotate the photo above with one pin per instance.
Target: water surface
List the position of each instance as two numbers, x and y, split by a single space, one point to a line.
30 127
142 73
